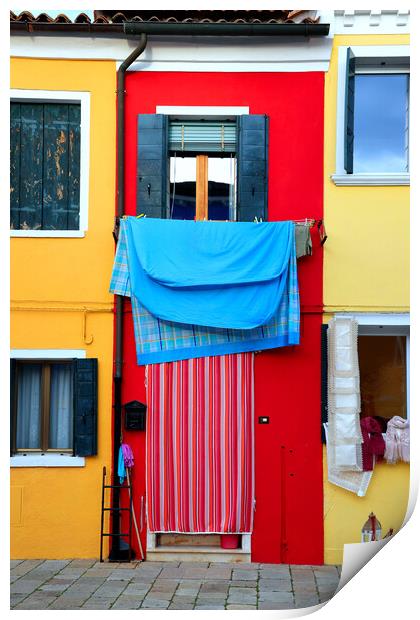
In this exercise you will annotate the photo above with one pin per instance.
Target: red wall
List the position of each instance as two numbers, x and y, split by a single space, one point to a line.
288 464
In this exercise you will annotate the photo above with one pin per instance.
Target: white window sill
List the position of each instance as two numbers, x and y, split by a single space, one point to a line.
46 460
402 178
48 233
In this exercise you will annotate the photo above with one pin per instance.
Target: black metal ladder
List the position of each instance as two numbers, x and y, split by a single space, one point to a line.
119 510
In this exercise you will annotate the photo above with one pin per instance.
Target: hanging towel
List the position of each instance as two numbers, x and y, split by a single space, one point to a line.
303 240
373 446
161 341
397 440
121 466
215 274
200 445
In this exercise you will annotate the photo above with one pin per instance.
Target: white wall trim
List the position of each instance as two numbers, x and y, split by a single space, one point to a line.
63 234
46 460
371 21
203 54
45 354
377 318
360 51
204 110
65 96
387 178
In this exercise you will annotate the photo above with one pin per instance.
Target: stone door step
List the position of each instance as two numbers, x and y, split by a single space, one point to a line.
186 553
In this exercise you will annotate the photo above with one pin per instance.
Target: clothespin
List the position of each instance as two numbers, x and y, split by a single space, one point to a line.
141 215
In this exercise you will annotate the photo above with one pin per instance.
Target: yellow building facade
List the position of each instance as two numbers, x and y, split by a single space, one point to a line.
366 275
61 309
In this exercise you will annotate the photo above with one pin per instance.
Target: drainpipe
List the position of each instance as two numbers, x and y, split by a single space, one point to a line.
117 549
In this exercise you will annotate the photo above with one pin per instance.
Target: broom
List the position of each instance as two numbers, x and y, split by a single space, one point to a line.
128 464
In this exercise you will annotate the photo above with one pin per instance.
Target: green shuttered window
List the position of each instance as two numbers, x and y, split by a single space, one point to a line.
54 406
44 166
245 138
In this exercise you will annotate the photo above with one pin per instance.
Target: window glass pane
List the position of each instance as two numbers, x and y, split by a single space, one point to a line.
28 423
382 362
183 174
381 123
61 407
221 188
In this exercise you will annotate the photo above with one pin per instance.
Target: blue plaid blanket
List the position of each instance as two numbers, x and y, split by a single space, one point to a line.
159 340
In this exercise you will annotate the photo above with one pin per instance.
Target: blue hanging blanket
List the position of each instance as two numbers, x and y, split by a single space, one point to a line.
215 274
233 298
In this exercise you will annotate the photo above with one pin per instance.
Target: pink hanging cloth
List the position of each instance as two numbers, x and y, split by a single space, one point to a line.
200 445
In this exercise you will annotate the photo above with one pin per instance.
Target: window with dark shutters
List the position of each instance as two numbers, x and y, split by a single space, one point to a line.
157 139
54 406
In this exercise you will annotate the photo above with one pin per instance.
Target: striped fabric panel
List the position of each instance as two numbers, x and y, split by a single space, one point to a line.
200 445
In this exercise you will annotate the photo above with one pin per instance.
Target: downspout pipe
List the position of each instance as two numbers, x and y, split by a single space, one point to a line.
117 552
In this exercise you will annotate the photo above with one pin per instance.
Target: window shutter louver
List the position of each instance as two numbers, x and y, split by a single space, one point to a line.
152 165
205 136
252 167
85 406
324 380
349 112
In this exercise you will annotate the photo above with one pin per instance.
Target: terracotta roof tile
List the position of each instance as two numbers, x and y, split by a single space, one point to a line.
286 16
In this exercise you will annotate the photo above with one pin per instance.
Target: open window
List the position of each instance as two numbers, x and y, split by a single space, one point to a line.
193 167
384 365
202 169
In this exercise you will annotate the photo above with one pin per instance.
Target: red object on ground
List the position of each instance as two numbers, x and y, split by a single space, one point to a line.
288 525
229 541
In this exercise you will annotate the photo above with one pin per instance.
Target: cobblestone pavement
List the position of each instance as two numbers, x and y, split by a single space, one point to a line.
88 584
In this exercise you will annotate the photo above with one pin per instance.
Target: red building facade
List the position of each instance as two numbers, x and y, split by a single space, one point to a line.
288 525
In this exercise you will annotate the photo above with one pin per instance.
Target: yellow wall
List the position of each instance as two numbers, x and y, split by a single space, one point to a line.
55 512
366 257
345 514
366 269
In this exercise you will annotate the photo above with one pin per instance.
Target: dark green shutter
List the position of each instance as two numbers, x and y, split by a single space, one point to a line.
152 165
15 132
85 406
44 166
252 167
12 403
31 160
349 112
324 379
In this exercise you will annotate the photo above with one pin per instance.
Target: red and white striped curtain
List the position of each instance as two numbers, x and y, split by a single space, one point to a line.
200 445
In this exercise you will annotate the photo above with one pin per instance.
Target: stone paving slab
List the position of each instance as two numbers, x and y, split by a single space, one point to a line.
89 584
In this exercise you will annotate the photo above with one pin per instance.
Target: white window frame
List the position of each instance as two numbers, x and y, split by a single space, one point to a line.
64 96
377 324
45 459
340 177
